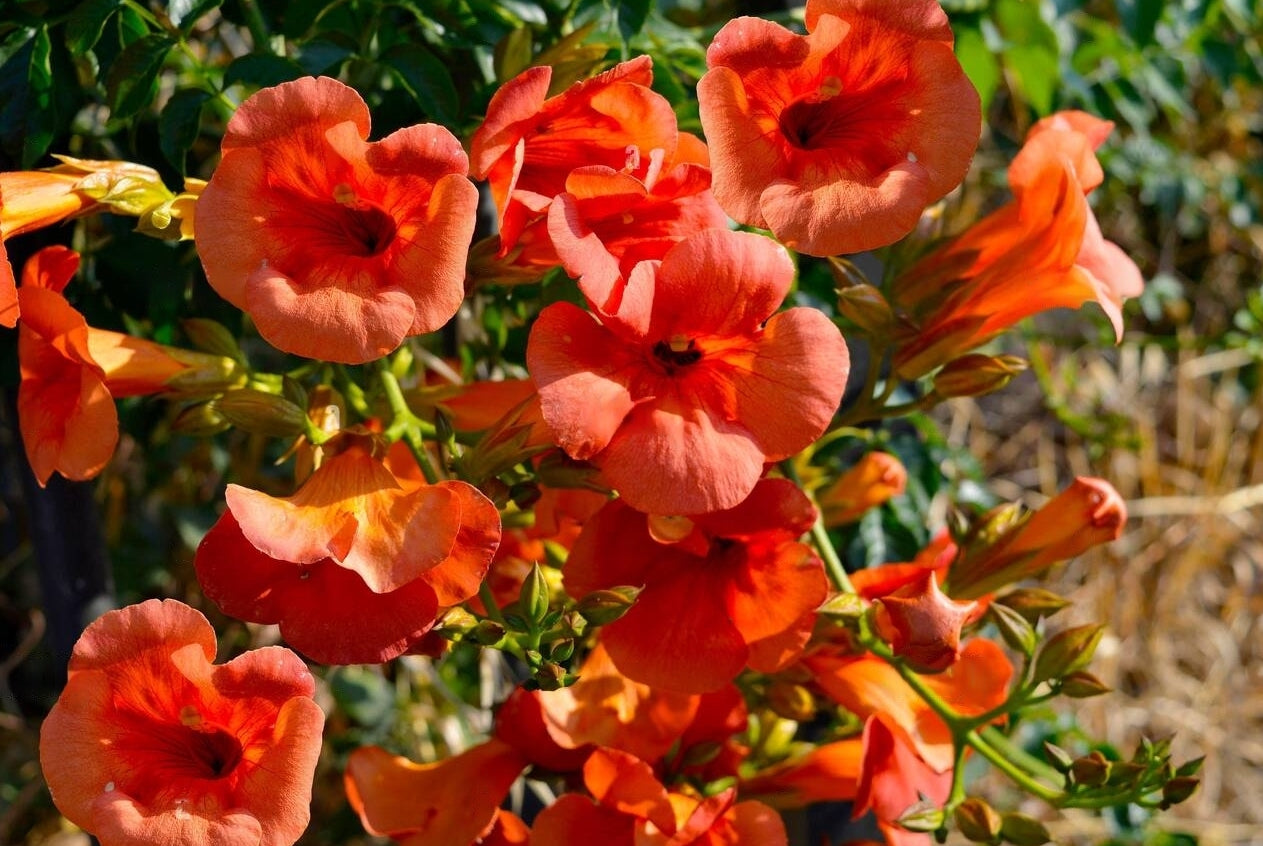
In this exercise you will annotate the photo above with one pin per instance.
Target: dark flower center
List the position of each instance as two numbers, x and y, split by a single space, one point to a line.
214 752
676 353
367 229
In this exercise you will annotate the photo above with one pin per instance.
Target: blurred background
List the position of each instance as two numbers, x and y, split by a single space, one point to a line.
1172 415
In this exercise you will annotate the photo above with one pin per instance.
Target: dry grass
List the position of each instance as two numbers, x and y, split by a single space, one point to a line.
1182 590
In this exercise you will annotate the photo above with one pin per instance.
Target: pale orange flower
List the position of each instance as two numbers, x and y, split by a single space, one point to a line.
152 745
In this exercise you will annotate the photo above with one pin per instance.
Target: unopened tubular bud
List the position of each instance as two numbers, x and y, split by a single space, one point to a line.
1067 652
534 597
200 420
791 701
1081 685
602 607
1091 770
1088 513
1021 830
977 820
975 375
872 481
260 412
1033 603
864 306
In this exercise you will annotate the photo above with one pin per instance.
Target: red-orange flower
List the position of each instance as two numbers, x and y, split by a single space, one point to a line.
530 142
338 248
922 624
630 806
150 743
1041 251
1088 513
71 373
837 140
452 802
356 564
683 394
734 585
867 685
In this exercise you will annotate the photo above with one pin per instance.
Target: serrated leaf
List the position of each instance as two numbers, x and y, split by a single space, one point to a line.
86 23
179 124
262 70
427 79
132 81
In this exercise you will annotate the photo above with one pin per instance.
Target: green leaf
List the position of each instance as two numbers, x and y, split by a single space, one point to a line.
86 23
132 81
323 57
26 120
185 13
1035 72
631 16
427 79
1140 17
979 64
179 124
262 70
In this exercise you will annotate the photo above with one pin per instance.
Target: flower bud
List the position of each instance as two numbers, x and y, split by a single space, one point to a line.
975 374
200 420
1177 790
924 816
1060 758
212 337
791 701
455 622
865 306
922 624
551 677
487 632
1081 684
561 650
602 607
874 479
1016 631
977 820
1033 603
1021 830
261 412
534 598
1091 770
1066 652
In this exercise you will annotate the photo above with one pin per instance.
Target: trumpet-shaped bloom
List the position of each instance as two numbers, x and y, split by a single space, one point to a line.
630 806
337 247
607 220
151 744
734 585
867 685
453 801
71 373
356 564
530 142
1088 513
837 140
683 394
1041 251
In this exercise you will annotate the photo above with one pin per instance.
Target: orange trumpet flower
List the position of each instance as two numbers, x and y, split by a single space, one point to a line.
839 139
337 247
71 373
152 745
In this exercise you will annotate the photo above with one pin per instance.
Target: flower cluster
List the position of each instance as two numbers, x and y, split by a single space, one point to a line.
638 498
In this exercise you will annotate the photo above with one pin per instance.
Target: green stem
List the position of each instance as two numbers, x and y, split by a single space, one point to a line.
405 425
1011 769
999 741
489 602
257 26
